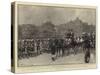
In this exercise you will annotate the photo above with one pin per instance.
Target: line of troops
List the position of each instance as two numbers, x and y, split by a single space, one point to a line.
33 47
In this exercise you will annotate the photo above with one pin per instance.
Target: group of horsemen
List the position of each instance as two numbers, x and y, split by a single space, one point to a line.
57 47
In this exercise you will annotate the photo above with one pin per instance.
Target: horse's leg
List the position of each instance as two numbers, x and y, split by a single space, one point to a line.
68 51
58 51
37 50
74 50
63 52
83 48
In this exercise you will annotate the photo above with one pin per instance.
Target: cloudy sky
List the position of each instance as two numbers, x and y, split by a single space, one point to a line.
57 15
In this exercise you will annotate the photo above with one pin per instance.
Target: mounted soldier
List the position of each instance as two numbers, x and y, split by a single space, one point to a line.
52 48
71 41
86 47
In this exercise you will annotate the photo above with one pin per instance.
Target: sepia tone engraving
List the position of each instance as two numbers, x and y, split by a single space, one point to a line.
50 35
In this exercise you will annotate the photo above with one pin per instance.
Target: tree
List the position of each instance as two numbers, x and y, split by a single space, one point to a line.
48 30
27 31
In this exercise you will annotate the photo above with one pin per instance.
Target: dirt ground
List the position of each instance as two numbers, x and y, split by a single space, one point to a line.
45 59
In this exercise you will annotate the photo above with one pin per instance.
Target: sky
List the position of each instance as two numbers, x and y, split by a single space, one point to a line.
28 14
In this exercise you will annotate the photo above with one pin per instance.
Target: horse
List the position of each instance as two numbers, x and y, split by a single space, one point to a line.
56 47
70 44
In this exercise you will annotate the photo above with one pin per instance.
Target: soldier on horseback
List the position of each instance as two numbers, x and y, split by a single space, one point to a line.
71 41
86 47
52 48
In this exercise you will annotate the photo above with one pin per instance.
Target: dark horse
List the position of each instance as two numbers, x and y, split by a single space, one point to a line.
56 47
